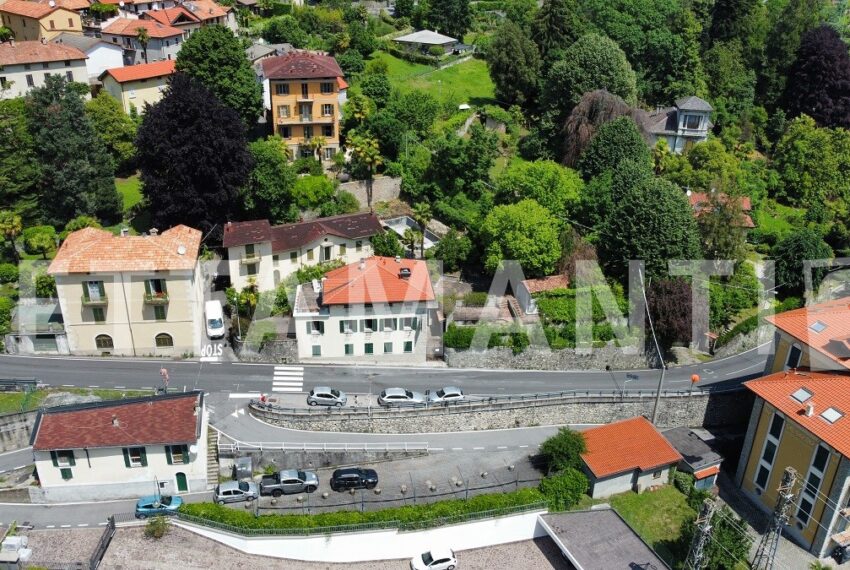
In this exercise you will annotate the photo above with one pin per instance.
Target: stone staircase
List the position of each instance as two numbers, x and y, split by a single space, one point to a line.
212 458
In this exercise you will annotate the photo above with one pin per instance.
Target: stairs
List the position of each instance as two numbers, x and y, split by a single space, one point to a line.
212 458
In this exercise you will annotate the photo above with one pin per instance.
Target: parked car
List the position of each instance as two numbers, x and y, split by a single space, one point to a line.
214 315
444 395
235 491
288 482
156 505
400 397
354 478
436 559
325 396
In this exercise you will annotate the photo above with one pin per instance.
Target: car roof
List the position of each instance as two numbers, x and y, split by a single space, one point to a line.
395 392
286 473
441 552
322 389
227 485
452 389
348 471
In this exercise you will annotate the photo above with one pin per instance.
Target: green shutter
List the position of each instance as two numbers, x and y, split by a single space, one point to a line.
186 454
342 326
73 461
85 290
309 327
54 458
168 454
164 286
147 286
126 457
101 288
144 458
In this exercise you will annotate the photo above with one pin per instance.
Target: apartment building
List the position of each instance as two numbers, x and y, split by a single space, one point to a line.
265 255
32 21
131 295
164 41
376 310
101 55
138 85
305 92
24 66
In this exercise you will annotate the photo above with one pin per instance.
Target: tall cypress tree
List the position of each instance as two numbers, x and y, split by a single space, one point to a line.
514 65
557 25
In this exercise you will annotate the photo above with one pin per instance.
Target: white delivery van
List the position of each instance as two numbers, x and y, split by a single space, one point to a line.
214 316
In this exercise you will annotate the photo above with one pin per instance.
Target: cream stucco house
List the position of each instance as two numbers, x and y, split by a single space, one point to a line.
122 448
24 66
266 254
34 21
138 85
131 295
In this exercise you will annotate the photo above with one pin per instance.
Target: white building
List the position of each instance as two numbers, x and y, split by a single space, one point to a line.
266 254
101 55
376 310
122 448
164 41
24 65
682 126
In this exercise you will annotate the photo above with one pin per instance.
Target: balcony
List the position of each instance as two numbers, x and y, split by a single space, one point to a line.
89 301
156 298
306 118
250 258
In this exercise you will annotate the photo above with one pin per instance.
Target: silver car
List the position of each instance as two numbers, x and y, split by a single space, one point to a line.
235 491
401 397
445 395
326 396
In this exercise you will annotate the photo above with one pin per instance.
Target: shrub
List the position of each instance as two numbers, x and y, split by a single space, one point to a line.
458 337
563 450
156 528
436 51
8 272
33 242
684 482
475 299
564 489
307 274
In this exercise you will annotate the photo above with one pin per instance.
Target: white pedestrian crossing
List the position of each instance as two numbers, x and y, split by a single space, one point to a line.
288 379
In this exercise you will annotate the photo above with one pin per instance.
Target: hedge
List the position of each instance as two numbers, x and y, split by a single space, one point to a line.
408 514
749 325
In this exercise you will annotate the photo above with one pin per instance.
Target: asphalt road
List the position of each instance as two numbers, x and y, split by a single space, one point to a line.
12 460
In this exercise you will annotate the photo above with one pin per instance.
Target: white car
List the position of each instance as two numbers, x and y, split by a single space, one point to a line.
447 394
435 559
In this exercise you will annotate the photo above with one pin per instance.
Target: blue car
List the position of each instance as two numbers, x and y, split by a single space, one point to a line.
154 505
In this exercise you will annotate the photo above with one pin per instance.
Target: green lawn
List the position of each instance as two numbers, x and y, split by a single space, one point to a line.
774 218
130 190
11 401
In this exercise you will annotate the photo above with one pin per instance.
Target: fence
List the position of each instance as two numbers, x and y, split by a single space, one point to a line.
242 446
102 544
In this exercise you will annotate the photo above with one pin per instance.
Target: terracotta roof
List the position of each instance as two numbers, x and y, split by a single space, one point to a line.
206 9
301 65
37 52
168 16
292 236
96 250
833 340
128 27
625 446
707 472
341 83
546 283
73 5
140 71
828 390
700 202
28 9
377 280
134 422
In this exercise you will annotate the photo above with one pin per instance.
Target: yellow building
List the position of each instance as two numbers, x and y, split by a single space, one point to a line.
814 337
138 85
305 92
799 420
31 21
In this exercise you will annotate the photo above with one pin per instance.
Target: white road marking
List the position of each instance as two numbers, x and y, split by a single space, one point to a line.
120 387
435 448
523 446
286 389
85 524
68 385
101 524
477 448
300 368
65 526
20 466
94 386
51 526
209 358
244 395
502 447
457 449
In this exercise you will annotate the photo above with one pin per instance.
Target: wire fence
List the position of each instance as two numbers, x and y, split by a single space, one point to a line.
225 448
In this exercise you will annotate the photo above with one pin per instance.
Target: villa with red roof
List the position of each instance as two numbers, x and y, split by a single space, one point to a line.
164 42
138 85
379 309
37 21
122 449
815 337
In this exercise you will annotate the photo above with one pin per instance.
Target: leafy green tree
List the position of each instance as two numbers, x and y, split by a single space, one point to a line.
730 543
565 489
669 301
453 250
285 29
377 87
650 221
416 109
614 142
722 226
41 242
450 17
79 223
411 238
216 58
731 19
521 12
268 193
343 203
600 193
457 164
387 244
362 39
422 215
404 8
5 34
731 84
77 173
553 186
791 252
115 128
312 191
19 167
190 121
514 65
557 25
10 229
563 450
391 133
525 232
351 62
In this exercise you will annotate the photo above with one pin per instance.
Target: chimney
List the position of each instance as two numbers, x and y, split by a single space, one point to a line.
125 232
404 273
362 263
44 41
398 259
115 421
154 232
810 410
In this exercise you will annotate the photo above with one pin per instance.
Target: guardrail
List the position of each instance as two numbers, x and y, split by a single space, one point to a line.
242 446
306 531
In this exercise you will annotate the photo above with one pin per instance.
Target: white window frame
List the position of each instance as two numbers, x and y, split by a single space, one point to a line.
775 441
806 493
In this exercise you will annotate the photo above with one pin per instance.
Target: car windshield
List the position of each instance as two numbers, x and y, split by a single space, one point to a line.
441 393
409 394
243 486
215 323
335 393
166 501
302 475
427 558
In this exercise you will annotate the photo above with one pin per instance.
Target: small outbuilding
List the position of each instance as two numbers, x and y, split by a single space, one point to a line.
629 455
424 40
698 458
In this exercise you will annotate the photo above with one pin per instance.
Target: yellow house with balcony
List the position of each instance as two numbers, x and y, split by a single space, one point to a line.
815 337
304 94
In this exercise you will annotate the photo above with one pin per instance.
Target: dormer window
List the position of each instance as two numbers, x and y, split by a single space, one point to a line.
692 121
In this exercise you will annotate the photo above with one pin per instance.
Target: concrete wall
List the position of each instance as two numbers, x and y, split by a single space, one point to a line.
22 343
697 410
278 351
15 430
320 459
382 545
607 486
531 359
384 189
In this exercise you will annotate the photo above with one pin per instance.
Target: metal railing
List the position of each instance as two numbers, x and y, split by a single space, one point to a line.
156 298
466 517
304 531
89 301
245 446
103 544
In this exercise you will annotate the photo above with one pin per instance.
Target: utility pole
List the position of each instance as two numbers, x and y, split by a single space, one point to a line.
657 349
695 560
766 552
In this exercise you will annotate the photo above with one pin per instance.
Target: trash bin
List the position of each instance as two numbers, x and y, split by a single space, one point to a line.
243 468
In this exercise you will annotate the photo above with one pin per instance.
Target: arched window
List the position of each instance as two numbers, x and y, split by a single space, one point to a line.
164 340
103 341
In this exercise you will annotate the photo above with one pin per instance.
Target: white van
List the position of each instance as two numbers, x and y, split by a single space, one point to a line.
214 316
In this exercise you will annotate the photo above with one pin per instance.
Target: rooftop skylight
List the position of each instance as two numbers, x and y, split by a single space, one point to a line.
831 415
818 326
801 395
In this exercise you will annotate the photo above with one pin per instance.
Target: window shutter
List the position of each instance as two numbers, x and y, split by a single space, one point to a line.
85 289
309 327
54 458
147 286
144 458
186 458
342 326
73 461
126 457
101 288
168 454
162 283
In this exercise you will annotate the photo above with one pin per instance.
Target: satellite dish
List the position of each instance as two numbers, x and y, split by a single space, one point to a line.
193 449
121 3
52 3
181 250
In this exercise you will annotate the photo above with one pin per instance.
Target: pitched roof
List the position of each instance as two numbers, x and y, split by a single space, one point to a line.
168 16
133 422
377 280
426 37
701 202
82 43
73 5
291 236
831 337
95 250
36 52
828 390
693 103
301 65
625 446
128 27
140 71
205 9
546 283
27 9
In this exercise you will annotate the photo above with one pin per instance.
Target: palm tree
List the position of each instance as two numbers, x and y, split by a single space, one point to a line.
143 37
366 152
316 144
422 216
411 239
10 228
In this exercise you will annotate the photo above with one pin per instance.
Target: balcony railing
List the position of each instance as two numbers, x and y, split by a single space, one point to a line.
156 298
100 301
306 118
250 258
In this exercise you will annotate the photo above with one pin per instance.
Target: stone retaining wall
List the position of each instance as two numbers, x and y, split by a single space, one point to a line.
15 430
564 359
700 409
275 351
384 189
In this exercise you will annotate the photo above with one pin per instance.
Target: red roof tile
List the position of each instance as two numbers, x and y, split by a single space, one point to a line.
141 71
546 283
128 27
168 16
137 422
828 390
37 52
27 9
625 446
700 203
301 65
833 340
707 472
377 280
73 5
292 236
206 9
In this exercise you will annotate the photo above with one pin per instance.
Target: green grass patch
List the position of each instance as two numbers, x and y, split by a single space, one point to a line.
130 190
11 402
